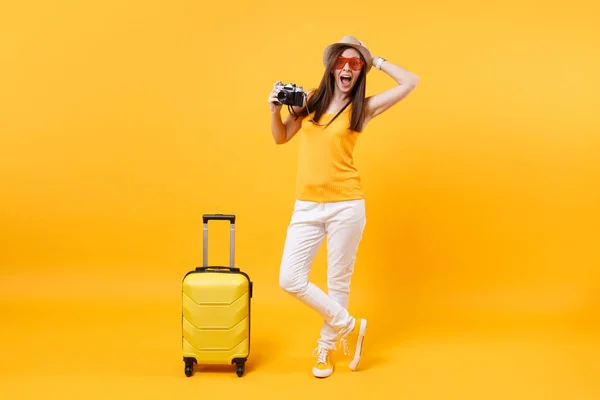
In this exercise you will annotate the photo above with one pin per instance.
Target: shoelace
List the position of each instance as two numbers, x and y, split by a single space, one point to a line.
321 353
344 343
345 346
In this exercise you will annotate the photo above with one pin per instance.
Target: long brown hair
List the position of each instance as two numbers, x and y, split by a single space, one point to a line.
320 99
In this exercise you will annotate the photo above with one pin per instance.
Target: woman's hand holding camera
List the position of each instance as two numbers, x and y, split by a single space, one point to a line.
274 104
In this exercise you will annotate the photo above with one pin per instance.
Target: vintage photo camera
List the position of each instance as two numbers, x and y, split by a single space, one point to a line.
290 94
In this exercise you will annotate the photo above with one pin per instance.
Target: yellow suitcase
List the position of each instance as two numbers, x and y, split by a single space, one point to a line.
216 310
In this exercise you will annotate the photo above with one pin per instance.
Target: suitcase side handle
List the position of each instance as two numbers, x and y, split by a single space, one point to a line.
219 217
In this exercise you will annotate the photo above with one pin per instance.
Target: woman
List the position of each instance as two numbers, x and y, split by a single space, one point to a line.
329 196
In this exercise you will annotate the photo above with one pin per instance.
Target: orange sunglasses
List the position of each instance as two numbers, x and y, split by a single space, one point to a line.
355 63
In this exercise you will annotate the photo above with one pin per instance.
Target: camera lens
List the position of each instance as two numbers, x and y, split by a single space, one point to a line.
282 96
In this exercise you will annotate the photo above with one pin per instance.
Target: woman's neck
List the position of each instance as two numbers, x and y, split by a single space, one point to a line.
340 99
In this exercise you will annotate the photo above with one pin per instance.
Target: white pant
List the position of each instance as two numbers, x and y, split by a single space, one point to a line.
343 223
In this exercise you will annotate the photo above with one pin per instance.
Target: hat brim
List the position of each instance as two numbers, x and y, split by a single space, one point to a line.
363 51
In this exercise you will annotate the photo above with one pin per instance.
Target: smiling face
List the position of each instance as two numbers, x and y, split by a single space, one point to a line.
347 70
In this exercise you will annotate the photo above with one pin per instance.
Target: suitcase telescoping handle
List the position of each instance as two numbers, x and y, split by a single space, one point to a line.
219 217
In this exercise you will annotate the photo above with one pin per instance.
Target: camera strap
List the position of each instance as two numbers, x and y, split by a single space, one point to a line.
333 119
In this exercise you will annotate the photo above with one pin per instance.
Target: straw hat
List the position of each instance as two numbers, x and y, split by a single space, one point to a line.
352 42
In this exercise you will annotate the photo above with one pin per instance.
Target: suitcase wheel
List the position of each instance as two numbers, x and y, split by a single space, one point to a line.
240 369
189 369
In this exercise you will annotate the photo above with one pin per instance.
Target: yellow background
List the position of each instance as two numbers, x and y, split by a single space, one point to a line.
123 122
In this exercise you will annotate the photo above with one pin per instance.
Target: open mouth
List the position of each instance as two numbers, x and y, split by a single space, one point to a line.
345 80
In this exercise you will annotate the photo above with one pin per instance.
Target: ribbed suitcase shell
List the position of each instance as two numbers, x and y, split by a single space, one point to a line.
216 316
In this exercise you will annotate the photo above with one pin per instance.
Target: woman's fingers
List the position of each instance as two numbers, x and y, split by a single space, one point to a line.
273 101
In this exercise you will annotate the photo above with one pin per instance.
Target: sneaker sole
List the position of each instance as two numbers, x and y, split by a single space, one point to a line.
318 373
359 345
